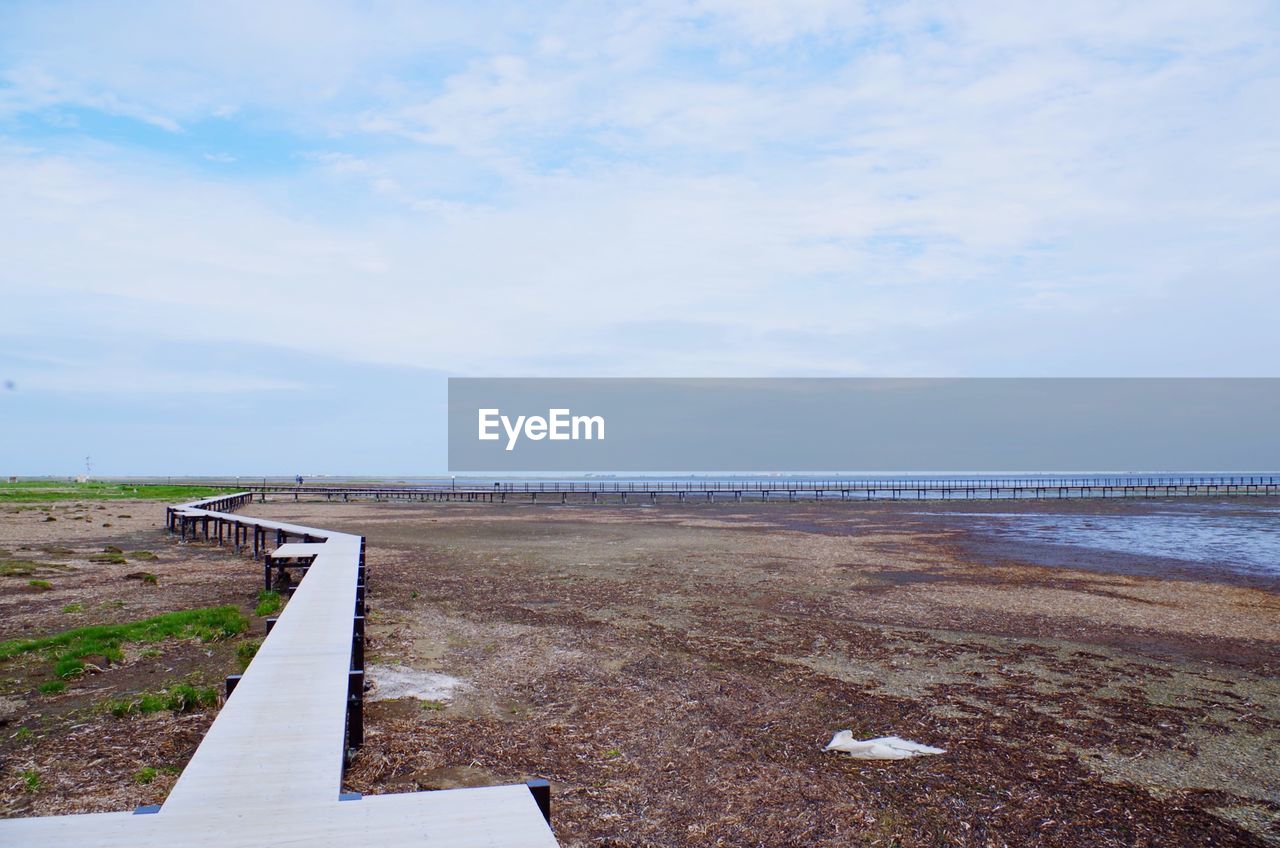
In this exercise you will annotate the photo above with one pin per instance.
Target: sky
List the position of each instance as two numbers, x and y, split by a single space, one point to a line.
248 238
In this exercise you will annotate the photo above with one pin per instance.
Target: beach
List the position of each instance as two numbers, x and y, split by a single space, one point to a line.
676 670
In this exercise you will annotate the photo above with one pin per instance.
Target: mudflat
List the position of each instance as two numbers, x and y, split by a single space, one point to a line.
676 670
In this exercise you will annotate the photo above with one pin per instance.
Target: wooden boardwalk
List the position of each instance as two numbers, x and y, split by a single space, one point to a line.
269 771
944 488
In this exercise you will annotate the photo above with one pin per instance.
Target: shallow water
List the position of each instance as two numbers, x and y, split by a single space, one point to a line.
1237 535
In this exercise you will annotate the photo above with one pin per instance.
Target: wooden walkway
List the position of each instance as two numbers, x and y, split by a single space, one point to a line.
269 771
945 488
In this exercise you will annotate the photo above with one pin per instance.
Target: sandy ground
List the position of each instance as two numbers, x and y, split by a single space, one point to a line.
675 672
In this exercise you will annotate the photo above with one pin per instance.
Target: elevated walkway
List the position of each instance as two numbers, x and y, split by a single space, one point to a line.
269 771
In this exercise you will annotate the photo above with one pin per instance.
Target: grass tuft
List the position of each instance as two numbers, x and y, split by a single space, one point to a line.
17 567
31 780
269 603
27 567
42 585
66 667
179 698
69 649
52 687
72 608
246 652
144 775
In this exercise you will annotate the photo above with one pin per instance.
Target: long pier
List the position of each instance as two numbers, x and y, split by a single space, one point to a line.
269 771
867 489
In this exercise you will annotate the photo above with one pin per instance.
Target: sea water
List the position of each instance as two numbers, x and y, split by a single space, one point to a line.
1235 533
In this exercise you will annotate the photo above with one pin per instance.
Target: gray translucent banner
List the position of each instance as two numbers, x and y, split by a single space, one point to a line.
863 425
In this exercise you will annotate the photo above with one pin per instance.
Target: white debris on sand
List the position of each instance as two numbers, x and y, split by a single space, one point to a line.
881 748
400 681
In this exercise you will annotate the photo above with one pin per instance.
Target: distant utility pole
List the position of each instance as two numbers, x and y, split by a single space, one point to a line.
88 466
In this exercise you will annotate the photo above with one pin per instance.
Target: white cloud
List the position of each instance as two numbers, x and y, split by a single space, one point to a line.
916 188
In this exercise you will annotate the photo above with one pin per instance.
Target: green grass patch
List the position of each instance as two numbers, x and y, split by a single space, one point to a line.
179 698
108 557
69 649
43 491
42 585
144 775
269 603
141 555
433 706
31 780
69 666
23 734
17 567
52 687
246 652
27 567
72 608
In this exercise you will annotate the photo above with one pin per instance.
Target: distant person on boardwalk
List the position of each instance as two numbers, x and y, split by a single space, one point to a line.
299 479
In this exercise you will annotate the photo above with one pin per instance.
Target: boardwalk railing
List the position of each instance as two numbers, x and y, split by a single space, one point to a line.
269 771
902 488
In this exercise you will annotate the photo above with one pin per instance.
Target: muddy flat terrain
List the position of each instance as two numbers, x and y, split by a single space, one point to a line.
69 565
676 670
